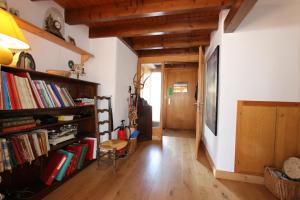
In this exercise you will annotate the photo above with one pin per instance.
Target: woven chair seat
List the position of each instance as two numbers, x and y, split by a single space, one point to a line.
113 144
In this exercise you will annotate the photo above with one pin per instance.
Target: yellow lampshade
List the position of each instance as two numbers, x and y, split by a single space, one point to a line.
11 35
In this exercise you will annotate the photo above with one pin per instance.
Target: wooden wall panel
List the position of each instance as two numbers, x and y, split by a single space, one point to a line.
255 138
287 142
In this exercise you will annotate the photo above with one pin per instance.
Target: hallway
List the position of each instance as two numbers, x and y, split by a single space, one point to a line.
156 171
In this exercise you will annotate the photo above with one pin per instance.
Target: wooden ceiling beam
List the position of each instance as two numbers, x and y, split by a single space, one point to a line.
169 58
153 28
237 14
139 9
150 53
176 43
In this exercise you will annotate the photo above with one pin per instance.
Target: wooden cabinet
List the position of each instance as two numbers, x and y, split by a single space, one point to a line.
267 134
287 141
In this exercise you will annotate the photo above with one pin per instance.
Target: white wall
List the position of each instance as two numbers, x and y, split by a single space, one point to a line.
259 61
48 55
125 69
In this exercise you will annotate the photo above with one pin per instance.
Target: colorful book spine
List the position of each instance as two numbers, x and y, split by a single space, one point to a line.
18 128
55 90
5 92
68 97
40 92
11 95
16 94
35 92
30 95
65 166
53 96
63 96
48 96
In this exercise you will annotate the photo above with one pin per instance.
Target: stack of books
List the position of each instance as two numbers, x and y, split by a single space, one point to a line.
84 101
65 162
15 124
23 148
19 91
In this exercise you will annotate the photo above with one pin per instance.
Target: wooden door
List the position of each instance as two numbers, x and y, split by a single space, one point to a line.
256 126
287 142
180 109
200 101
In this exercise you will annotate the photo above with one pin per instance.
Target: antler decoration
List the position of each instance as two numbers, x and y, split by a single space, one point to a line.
138 84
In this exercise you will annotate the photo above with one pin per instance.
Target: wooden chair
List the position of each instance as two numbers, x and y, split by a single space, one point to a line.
107 149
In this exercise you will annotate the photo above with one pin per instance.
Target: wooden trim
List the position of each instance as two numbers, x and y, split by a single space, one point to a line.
237 14
267 103
52 38
170 58
219 174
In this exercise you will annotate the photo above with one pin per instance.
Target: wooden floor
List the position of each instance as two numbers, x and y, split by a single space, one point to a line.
158 171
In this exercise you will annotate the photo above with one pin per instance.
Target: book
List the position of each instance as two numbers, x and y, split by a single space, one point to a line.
65 166
52 105
28 147
40 94
77 149
31 141
1 160
94 147
7 105
11 92
52 168
16 123
16 94
18 128
55 90
90 148
17 150
53 96
63 96
35 92
82 155
36 144
43 93
68 97
11 153
5 154
20 91
73 165
30 95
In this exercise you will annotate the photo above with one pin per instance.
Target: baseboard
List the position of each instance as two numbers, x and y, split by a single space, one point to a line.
233 176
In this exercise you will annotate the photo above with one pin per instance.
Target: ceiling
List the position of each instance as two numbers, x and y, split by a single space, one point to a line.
153 27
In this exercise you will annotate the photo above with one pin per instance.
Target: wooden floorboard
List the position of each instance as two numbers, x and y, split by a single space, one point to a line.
158 171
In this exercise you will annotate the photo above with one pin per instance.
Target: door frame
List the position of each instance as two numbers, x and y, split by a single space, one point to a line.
200 102
162 59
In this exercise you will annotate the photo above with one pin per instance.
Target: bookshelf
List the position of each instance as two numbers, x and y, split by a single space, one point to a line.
52 38
27 176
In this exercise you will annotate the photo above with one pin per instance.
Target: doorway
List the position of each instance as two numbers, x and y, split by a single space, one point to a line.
180 92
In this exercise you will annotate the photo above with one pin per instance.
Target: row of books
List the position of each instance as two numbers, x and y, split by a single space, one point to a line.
19 91
17 123
23 148
65 162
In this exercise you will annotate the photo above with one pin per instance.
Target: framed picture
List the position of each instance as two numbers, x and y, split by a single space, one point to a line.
211 97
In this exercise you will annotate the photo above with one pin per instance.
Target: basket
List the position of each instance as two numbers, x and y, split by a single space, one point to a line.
132 145
281 187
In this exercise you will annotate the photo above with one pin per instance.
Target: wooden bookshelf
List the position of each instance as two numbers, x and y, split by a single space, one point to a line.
26 177
52 38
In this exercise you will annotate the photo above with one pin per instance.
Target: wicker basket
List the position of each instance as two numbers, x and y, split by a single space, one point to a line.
282 188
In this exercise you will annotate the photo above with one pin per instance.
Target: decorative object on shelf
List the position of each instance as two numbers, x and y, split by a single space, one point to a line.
26 61
77 70
14 11
71 40
291 167
11 37
59 72
3 5
54 23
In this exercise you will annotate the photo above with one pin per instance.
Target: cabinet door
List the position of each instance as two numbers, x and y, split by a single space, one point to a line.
287 142
255 138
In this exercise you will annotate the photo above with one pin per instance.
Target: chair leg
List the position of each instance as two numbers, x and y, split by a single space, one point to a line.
114 159
98 157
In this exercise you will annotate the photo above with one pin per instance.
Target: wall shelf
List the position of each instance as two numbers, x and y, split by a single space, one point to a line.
52 38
